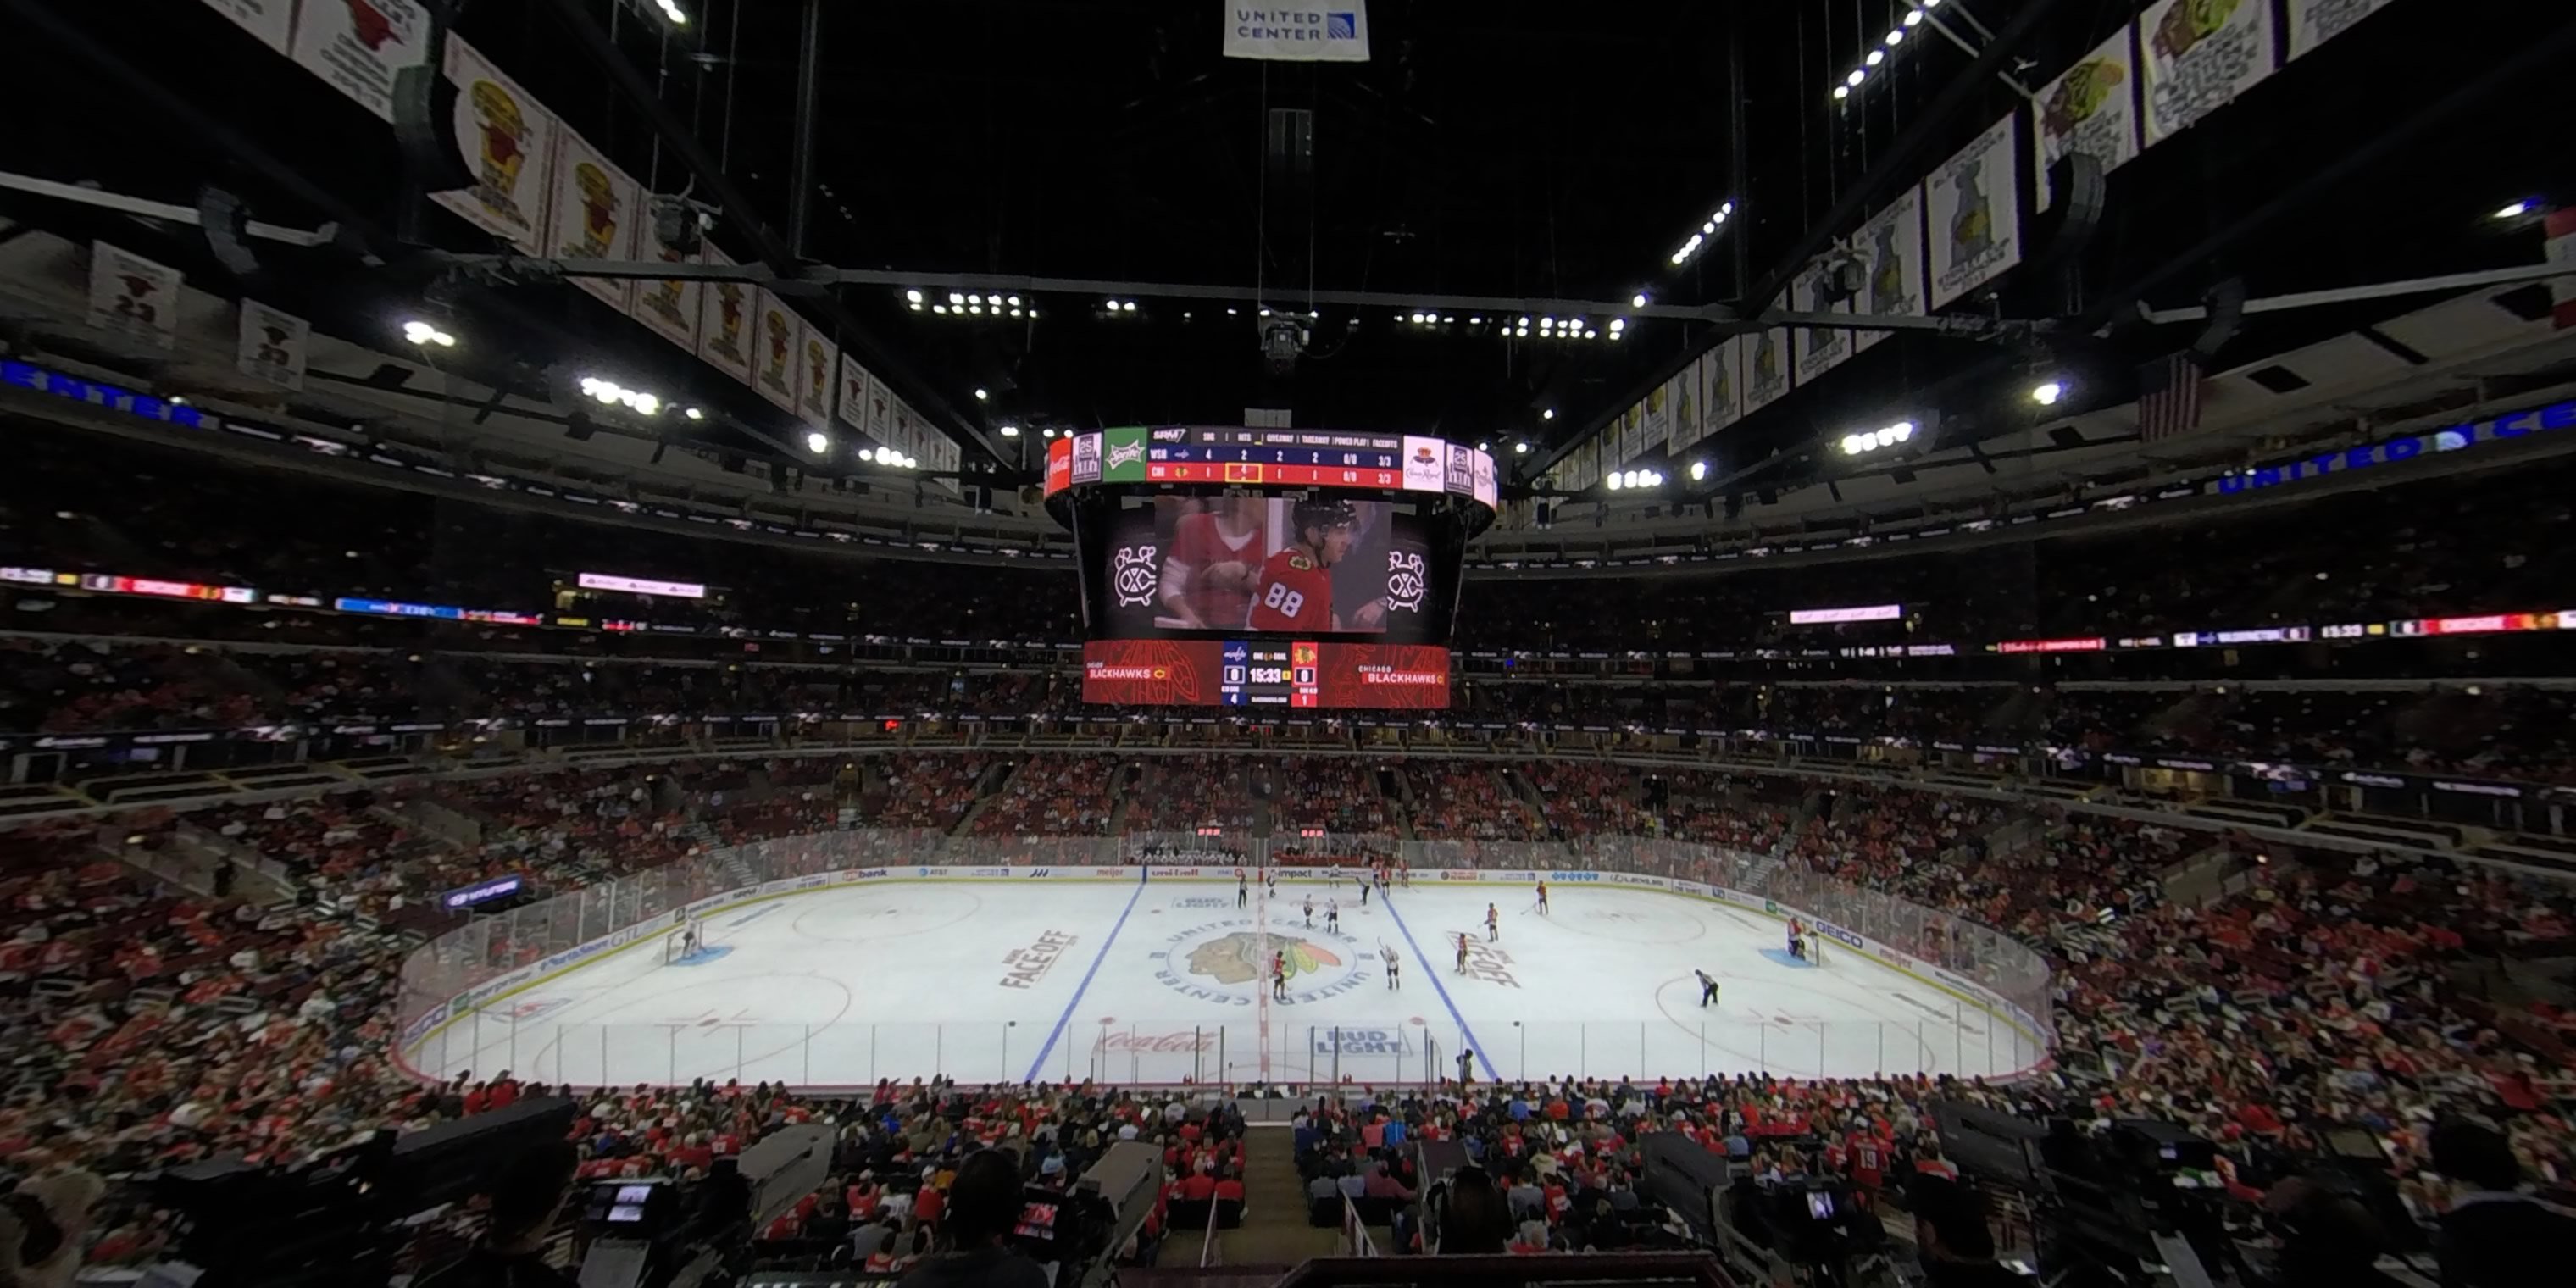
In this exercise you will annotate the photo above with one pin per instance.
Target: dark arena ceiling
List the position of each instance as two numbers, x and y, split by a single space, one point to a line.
1521 153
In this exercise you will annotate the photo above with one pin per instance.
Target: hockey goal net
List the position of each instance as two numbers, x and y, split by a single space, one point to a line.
684 942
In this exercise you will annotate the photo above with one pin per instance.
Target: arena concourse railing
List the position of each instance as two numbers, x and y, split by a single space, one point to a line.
472 999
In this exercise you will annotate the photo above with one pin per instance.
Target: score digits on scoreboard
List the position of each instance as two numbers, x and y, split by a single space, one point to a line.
1269 674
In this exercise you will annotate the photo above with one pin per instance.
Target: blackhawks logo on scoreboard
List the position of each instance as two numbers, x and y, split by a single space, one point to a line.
1228 961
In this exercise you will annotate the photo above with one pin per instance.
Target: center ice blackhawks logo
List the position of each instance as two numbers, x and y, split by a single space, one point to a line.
1226 962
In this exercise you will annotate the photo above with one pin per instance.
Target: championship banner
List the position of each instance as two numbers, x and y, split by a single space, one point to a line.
133 297
853 409
1721 375
508 143
273 21
667 306
2092 108
1681 393
360 45
2200 54
1766 368
1654 423
1976 215
1335 31
818 362
1819 349
776 329
593 215
724 321
273 346
1891 249
2314 22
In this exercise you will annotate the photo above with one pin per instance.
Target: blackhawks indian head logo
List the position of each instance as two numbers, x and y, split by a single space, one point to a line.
1236 958
1228 961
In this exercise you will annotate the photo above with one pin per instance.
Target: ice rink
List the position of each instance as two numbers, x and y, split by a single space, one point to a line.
1158 982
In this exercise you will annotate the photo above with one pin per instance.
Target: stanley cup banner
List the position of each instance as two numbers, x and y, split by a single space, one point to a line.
725 321
1819 349
509 147
669 306
2200 54
2092 108
360 45
1654 426
593 215
775 331
273 21
1328 31
853 409
273 345
1720 375
1891 260
1681 393
2314 22
818 361
1975 215
1766 368
133 297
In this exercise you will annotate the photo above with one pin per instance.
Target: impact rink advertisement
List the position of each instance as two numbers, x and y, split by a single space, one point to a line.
1296 674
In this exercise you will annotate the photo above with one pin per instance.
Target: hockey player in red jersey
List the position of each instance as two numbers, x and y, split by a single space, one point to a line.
1295 591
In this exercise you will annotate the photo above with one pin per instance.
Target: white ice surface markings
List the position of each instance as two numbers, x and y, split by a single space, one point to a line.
910 979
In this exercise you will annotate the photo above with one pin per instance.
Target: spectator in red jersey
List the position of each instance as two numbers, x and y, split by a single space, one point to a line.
1216 556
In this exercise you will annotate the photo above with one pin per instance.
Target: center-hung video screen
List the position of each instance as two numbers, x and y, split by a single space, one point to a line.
1191 566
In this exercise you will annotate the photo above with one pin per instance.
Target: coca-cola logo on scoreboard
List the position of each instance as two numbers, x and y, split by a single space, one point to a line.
1135 573
1405 584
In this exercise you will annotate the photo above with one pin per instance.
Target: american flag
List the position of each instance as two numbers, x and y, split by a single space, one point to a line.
2168 397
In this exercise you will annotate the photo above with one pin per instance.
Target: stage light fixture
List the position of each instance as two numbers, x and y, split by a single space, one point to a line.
2048 392
427 334
818 442
2516 210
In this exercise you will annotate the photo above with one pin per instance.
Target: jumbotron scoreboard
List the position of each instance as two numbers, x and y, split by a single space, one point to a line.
1263 567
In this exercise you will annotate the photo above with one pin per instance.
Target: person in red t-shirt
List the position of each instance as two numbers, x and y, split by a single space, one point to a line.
1295 592
1207 579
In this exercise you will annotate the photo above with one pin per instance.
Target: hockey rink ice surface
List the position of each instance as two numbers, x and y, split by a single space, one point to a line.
1156 982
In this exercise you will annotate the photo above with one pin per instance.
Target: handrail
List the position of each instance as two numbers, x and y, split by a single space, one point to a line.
1207 1243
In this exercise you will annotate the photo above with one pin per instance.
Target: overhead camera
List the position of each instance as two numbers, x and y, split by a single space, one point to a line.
1281 341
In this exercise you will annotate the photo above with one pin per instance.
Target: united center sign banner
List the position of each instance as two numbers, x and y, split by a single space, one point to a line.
1330 31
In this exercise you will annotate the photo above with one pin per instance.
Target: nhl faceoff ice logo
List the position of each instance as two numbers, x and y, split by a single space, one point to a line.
1133 576
1404 581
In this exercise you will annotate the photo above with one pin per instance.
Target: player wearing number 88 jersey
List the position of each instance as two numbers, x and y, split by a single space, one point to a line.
1295 590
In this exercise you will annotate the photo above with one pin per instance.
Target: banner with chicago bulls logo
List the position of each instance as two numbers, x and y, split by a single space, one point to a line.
508 143
273 345
853 408
725 324
273 21
818 366
359 46
593 215
1976 214
2092 108
133 297
669 307
2200 54
1891 258
775 332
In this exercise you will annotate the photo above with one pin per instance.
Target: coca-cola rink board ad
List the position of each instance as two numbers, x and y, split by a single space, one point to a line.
1296 674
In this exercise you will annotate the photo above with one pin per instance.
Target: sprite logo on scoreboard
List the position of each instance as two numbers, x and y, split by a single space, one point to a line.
1122 455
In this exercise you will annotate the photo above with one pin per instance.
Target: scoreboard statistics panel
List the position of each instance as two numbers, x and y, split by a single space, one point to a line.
1295 674
1285 458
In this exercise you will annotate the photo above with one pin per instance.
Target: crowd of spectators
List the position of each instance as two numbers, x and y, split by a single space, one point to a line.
1186 793
930 791
1054 794
1323 793
1466 801
1585 797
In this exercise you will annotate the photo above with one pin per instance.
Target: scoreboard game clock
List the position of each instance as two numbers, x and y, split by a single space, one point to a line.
1270 674
1244 567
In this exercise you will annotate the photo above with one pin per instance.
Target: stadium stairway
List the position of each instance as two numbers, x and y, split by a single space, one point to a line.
1274 1230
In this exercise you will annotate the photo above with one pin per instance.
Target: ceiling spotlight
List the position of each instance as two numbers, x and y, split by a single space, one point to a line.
1855 78
1614 482
1520 449
1010 431
956 298
1876 56
1913 17
973 298
1895 37
1903 429
938 308
818 442
1637 301
427 334
1049 433
2047 393
1484 447
982 396
2516 210
912 296
1725 208
694 414
1842 91
869 456
1698 471
1549 414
